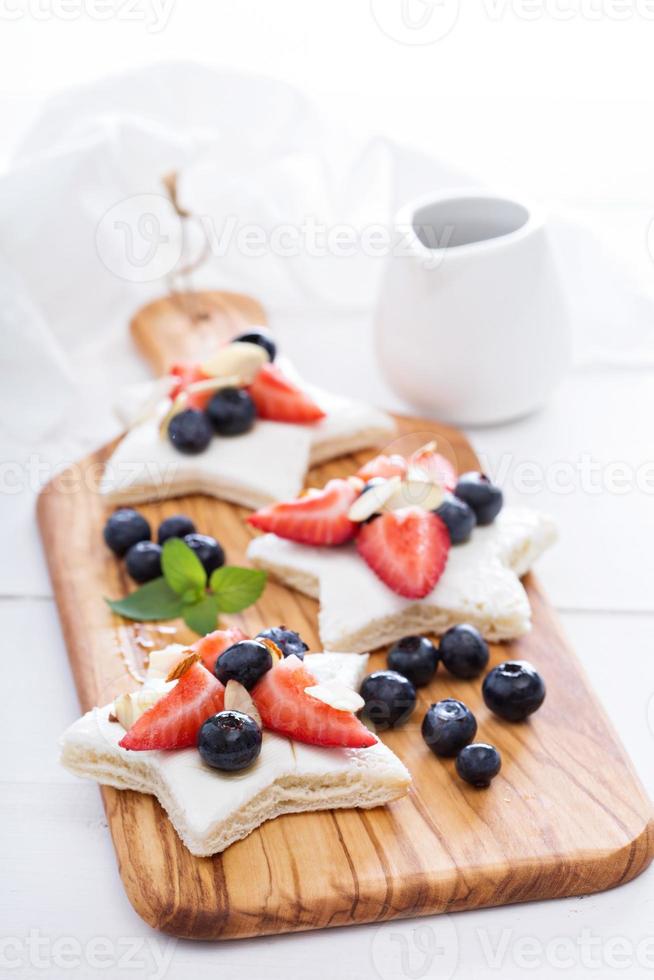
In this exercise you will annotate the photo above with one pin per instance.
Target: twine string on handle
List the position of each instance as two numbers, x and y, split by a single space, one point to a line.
179 279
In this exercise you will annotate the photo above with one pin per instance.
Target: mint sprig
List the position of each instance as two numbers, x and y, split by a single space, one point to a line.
182 591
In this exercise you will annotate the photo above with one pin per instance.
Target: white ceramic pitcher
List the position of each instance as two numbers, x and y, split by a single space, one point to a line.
471 325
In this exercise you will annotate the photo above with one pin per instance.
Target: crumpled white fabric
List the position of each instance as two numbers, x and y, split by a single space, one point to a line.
251 153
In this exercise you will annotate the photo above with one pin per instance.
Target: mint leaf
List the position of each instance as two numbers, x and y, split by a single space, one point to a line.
154 600
181 567
202 617
236 588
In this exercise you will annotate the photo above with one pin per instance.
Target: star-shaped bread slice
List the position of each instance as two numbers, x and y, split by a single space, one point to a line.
480 585
265 464
209 809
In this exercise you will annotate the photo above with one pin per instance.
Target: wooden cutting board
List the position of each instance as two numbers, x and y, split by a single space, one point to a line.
566 816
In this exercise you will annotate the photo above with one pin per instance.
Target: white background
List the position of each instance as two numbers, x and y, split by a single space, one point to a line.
558 105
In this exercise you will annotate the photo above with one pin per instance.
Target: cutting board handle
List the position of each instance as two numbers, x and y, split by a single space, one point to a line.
190 325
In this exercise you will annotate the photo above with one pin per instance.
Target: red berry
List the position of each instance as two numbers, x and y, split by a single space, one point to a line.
279 400
407 549
319 517
175 720
285 708
213 644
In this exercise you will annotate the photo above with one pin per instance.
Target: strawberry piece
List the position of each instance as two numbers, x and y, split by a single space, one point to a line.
436 467
285 708
384 466
319 517
279 400
188 373
407 549
213 644
175 720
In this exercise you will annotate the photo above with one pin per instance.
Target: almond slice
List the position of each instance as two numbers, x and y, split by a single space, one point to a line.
336 695
373 499
128 708
237 698
416 493
179 404
182 666
238 358
275 652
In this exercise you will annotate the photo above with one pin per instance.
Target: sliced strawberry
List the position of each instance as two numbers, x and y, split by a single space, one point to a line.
435 466
188 373
319 517
407 549
286 709
175 720
279 400
384 466
213 644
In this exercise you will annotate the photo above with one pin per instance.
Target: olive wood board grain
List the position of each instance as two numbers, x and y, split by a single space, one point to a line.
566 816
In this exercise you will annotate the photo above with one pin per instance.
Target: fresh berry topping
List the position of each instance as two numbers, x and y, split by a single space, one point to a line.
407 549
124 528
447 726
287 709
384 467
246 662
207 549
260 337
319 517
434 466
177 526
464 651
229 741
190 431
175 720
213 644
514 690
414 657
289 642
389 698
478 764
188 374
143 561
231 412
458 518
279 400
479 493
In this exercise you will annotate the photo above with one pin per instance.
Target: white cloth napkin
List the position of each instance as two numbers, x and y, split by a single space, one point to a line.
253 157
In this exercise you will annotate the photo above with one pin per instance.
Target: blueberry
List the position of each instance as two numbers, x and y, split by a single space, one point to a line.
230 741
458 517
207 549
245 662
177 526
260 337
390 698
477 491
288 641
144 561
190 431
231 412
414 657
514 690
447 726
478 764
124 528
464 651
